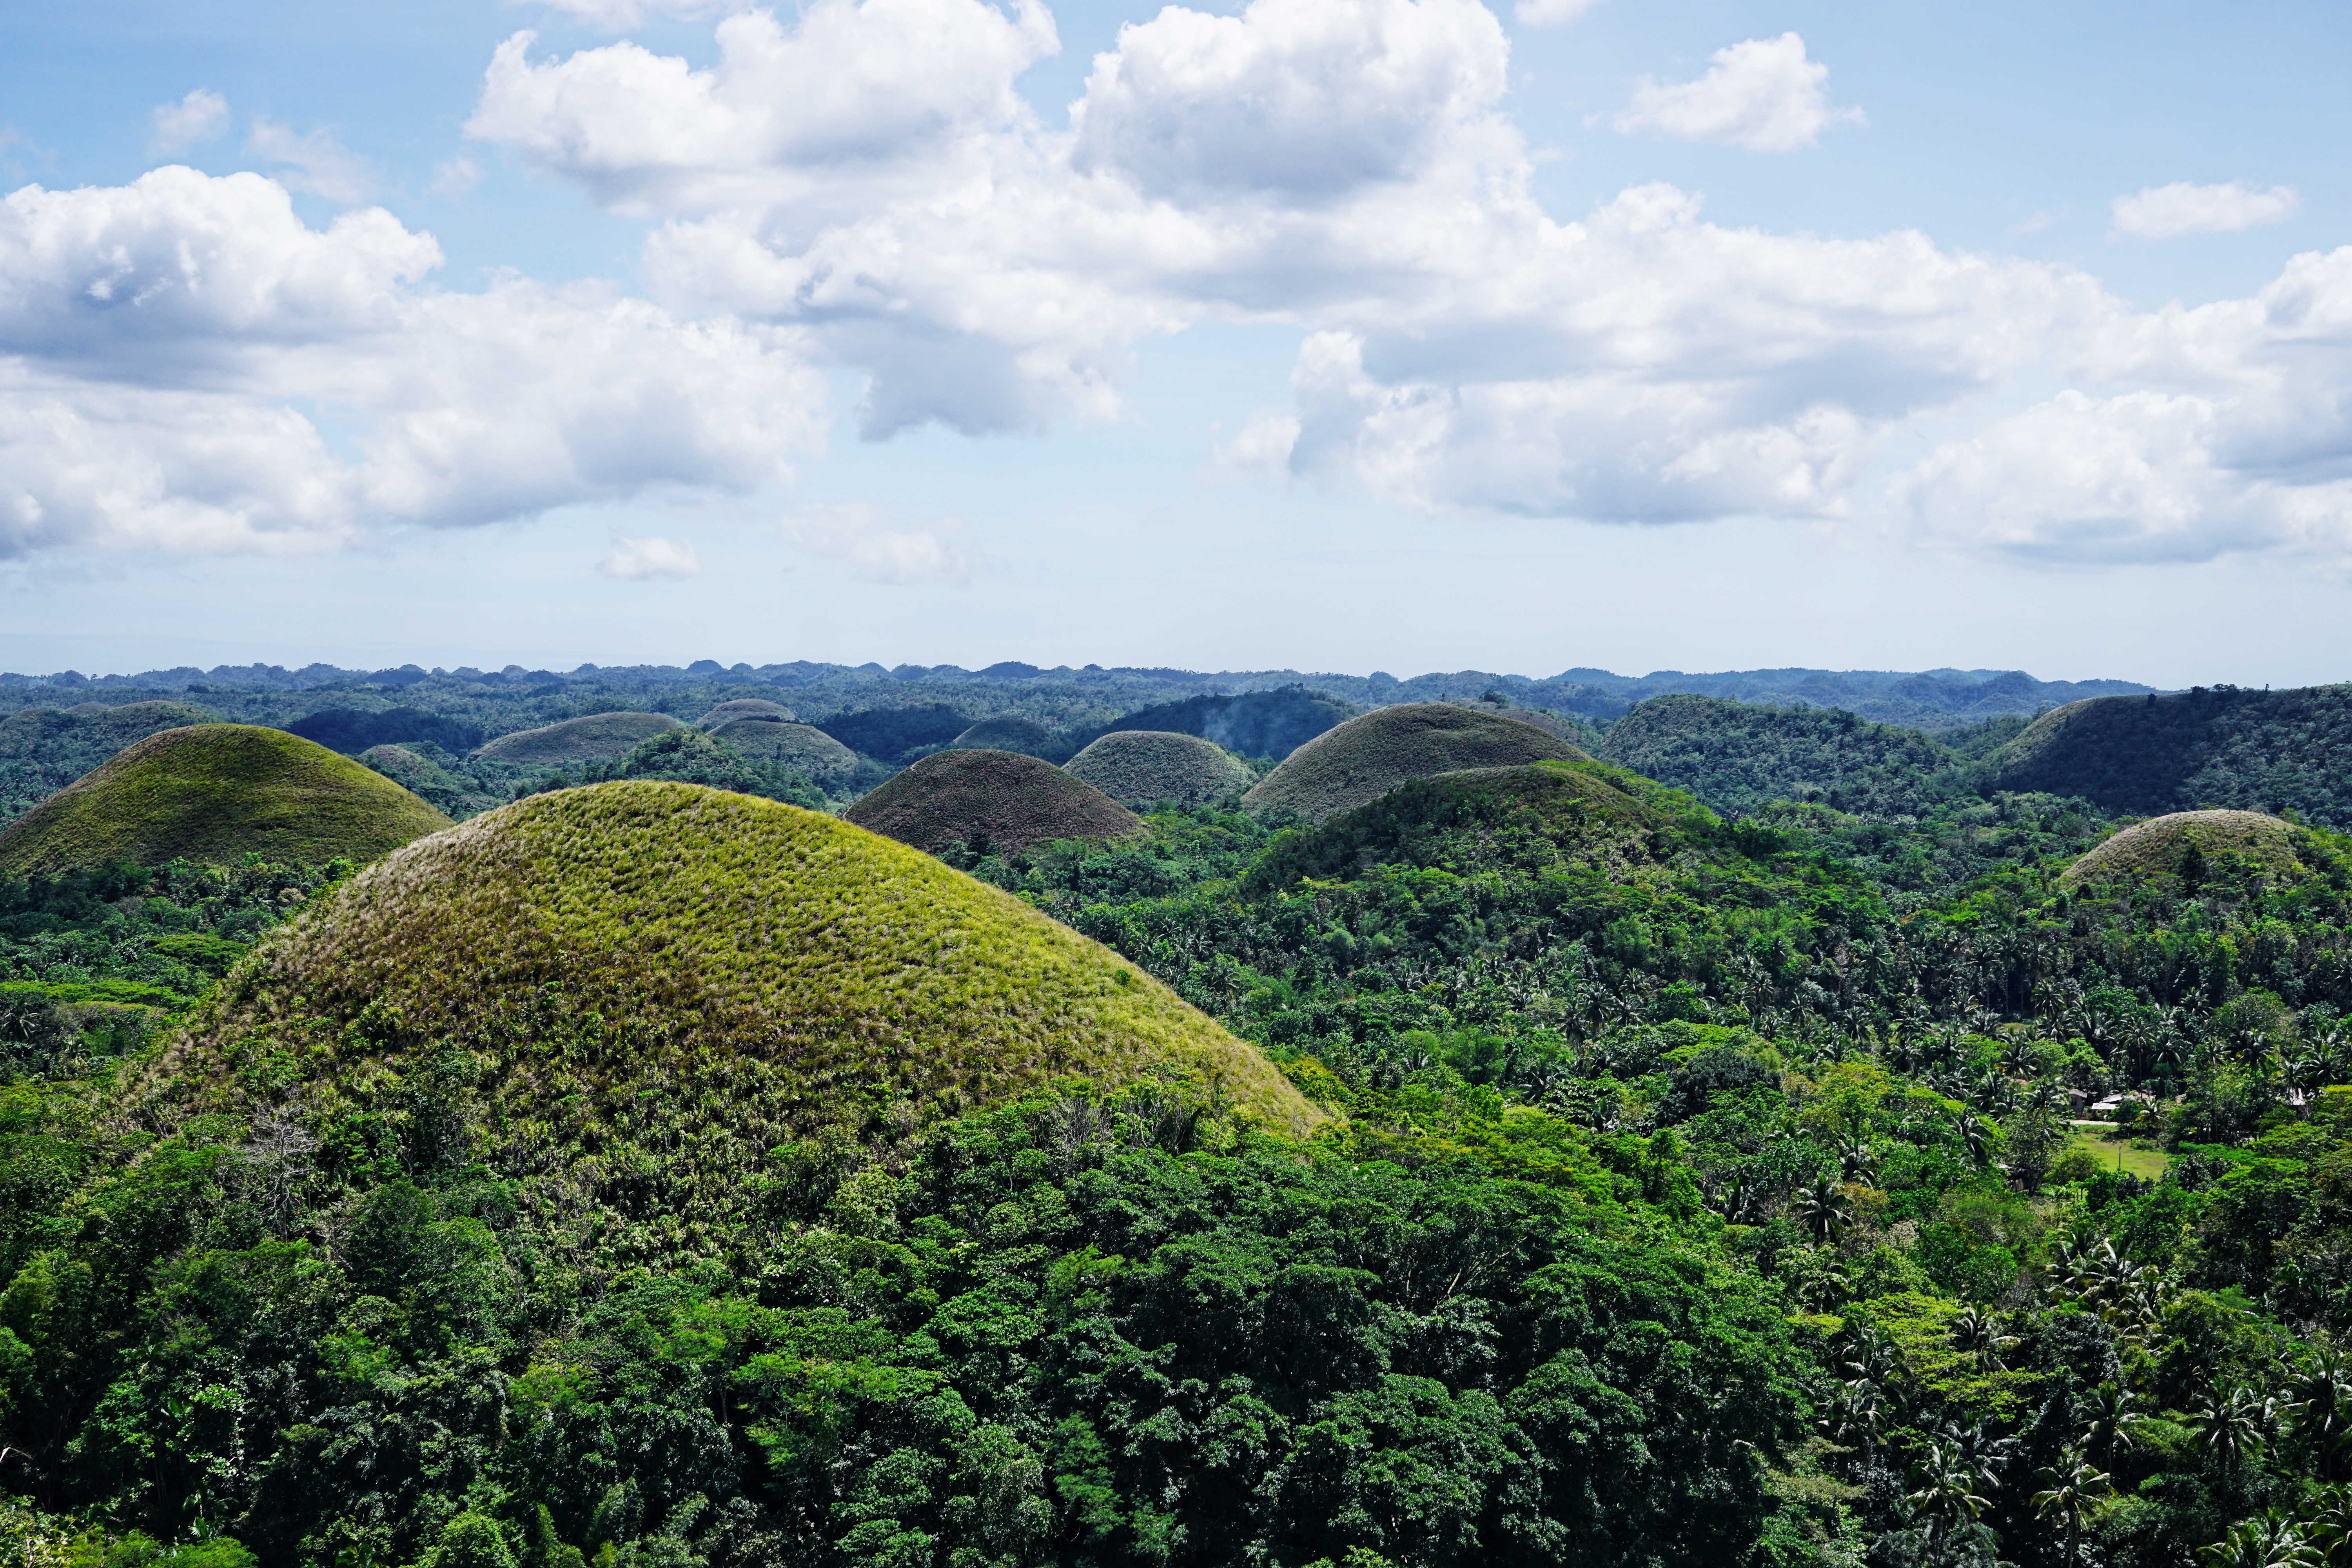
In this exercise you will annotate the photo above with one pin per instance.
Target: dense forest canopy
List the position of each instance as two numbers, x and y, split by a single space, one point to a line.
1771 1142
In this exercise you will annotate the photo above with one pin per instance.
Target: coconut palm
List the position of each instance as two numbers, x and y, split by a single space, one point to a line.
2108 1420
1947 1492
1976 1334
2272 1541
2318 1399
1822 1209
2232 1427
1974 1134
2070 1493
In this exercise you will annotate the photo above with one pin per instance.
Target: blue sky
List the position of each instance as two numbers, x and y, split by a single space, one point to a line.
1350 334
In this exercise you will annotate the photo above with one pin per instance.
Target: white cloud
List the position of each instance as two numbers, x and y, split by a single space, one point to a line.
636 559
184 365
313 161
1764 95
860 536
2169 212
1551 13
199 117
456 177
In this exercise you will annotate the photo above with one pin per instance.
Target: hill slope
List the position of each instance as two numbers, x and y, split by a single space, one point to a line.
1736 757
1155 766
588 739
746 708
803 748
2254 751
218 793
1253 724
709 971
42 750
1011 733
949 797
1365 758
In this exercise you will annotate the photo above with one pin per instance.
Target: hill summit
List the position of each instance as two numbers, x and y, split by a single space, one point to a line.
638 962
218 793
1361 761
2182 842
1155 766
949 796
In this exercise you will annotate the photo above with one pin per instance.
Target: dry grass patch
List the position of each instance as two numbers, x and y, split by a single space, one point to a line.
949 796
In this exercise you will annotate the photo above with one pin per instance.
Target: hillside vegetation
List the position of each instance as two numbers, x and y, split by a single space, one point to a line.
716 975
584 739
1151 765
1252 724
1363 759
802 748
1008 800
219 793
1012 733
1736 758
2254 751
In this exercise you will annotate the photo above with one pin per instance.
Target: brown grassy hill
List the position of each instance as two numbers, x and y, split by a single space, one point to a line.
585 739
746 708
807 750
1017 801
1153 765
218 793
1365 758
632 993
2161 845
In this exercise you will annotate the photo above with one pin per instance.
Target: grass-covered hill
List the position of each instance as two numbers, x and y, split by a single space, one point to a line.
42 750
1010 800
2254 751
1363 759
1010 733
1589 812
2195 845
219 793
802 748
1151 765
636 990
1253 723
584 739
1736 757
746 708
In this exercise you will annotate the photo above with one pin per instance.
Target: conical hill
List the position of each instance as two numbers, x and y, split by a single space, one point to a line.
949 797
1156 764
1359 761
807 750
2162 845
590 738
640 965
746 708
219 793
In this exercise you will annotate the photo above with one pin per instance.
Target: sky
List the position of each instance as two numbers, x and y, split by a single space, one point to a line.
1325 334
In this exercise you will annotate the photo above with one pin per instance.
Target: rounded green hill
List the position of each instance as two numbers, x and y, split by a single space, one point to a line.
951 796
638 966
590 738
218 793
1156 764
1596 815
746 708
1363 759
1009 734
2160 846
803 748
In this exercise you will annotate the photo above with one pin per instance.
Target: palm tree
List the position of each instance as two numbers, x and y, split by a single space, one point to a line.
1974 1135
1947 1492
2319 1397
2272 1541
2231 1430
1856 1159
2108 1422
1976 1334
2071 1491
1823 1210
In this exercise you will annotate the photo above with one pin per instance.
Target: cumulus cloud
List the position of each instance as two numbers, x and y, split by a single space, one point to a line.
1551 13
636 559
313 161
175 356
456 177
2169 212
197 118
1764 95
867 181
860 535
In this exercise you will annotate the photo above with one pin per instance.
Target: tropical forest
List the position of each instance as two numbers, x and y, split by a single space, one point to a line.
853 1117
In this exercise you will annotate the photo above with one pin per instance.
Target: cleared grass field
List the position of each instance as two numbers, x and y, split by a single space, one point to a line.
2136 1156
